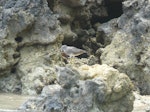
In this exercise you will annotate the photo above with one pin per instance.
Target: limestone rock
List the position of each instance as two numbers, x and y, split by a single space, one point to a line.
10 83
67 77
130 44
97 88
79 17
35 68
106 31
36 79
7 52
27 22
141 103
25 25
118 83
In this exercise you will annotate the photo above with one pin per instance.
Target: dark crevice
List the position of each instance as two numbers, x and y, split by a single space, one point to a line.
77 43
101 37
13 70
114 10
138 58
16 55
51 4
18 49
18 39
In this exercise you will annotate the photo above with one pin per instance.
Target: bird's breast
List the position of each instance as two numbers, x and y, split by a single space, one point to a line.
64 54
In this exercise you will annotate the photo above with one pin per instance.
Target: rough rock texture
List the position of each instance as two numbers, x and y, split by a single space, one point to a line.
106 31
97 88
10 83
130 44
30 37
36 68
74 3
76 20
32 32
28 31
141 103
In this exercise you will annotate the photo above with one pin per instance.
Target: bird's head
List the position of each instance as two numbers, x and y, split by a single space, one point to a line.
62 48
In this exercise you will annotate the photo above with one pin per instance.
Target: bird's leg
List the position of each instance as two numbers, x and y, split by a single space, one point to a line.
72 59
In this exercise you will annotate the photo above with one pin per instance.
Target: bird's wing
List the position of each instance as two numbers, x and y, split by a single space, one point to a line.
75 50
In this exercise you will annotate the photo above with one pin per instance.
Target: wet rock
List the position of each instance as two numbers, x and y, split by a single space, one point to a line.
94 88
131 44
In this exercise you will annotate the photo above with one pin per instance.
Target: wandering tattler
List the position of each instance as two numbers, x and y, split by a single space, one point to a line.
70 51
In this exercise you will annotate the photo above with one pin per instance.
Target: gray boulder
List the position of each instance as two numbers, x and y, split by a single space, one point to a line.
97 88
130 44
28 29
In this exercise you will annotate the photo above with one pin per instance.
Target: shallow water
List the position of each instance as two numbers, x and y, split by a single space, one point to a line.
12 101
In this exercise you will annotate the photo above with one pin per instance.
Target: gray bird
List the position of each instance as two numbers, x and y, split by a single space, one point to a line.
70 51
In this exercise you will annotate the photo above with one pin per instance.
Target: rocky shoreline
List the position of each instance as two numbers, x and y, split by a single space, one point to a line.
114 33
141 103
